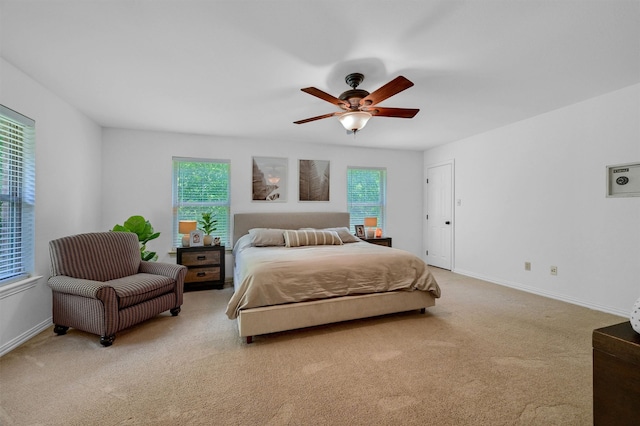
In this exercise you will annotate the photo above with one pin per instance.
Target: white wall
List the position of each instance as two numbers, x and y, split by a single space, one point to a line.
137 169
535 191
67 194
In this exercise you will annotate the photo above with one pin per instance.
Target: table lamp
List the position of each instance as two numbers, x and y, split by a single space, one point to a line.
370 223
185 227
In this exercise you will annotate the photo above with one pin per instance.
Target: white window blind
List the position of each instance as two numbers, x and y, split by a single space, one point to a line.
17 196
200 186
366 195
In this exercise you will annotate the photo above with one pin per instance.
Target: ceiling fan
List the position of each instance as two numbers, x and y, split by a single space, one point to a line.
358 105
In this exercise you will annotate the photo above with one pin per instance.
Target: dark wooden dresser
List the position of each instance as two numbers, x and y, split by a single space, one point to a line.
616 375
205 266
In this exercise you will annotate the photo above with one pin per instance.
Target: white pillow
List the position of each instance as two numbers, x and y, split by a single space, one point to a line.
311 237
242 243
345 235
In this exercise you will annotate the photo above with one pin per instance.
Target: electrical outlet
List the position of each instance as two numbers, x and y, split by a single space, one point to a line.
527 266
554 270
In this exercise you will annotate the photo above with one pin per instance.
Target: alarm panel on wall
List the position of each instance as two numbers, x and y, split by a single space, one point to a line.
623 180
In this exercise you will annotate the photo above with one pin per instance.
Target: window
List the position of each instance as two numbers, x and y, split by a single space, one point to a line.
17 196
201 186
366 195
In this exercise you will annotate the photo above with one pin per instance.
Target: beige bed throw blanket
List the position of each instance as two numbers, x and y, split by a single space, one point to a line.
266 276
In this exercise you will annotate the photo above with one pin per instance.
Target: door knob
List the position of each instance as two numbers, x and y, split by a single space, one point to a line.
447 223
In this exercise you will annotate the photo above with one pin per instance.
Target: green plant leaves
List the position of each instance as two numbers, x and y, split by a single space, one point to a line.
208 223
143 229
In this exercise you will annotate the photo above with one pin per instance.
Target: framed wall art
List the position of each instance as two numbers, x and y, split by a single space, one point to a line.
269 179
314 180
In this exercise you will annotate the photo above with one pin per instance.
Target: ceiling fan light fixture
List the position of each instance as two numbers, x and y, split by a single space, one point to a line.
359 105
354 120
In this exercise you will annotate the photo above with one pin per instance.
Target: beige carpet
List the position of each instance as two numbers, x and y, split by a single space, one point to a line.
484 355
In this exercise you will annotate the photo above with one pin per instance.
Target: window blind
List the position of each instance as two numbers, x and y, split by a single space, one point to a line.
200 186
366 195
17 196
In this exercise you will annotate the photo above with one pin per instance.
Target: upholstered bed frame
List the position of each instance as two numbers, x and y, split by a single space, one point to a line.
271 319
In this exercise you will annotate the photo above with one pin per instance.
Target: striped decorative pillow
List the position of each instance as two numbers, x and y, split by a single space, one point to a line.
311 237
343 233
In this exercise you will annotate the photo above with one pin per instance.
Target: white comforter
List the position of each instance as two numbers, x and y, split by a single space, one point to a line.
266 276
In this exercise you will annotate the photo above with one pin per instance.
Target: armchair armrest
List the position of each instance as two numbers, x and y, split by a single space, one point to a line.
106 320
77 286
177 272
171 270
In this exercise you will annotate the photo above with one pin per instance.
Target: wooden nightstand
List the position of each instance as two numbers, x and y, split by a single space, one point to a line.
205 267
616 375
382 241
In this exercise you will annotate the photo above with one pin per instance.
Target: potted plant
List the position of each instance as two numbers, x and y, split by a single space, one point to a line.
207 225
141 227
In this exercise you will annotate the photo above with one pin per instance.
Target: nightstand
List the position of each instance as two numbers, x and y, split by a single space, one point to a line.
381 241
616 375
205 267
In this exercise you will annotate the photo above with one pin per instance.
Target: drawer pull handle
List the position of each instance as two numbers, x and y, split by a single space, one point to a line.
201 274
201 257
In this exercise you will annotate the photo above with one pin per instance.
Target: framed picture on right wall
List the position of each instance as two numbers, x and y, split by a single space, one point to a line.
314 180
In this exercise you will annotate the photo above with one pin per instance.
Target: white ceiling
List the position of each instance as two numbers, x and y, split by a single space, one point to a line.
235 68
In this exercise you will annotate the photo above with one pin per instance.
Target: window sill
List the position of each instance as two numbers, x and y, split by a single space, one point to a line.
19 286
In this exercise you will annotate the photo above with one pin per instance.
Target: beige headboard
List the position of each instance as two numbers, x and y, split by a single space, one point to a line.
242 222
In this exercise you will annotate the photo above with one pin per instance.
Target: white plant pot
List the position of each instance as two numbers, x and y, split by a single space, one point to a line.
635 316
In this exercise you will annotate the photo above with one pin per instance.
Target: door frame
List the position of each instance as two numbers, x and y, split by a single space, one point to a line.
425 228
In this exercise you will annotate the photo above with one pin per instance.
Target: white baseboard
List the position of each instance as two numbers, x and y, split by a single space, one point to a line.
551 295
18 340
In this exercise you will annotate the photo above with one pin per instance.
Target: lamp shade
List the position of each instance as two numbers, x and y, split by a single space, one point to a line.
186 226
354 120
370 222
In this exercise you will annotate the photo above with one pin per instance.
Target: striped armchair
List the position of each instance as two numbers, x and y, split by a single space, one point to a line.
100 284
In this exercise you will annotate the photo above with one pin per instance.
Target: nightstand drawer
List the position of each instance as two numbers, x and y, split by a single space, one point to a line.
195 275
201 258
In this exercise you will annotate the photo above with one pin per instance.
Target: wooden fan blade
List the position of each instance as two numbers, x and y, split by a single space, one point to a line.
325 97
320 117
393 87
393 112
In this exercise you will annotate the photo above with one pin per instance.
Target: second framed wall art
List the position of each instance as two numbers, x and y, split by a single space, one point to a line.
314 180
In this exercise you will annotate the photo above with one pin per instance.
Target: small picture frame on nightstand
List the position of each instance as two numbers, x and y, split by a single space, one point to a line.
196 238
360 231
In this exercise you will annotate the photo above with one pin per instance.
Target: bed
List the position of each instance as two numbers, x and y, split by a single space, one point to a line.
318 274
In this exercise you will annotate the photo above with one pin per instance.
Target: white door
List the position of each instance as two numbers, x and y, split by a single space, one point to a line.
439 251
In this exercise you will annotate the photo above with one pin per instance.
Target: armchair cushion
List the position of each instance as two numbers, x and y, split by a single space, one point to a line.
138 288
